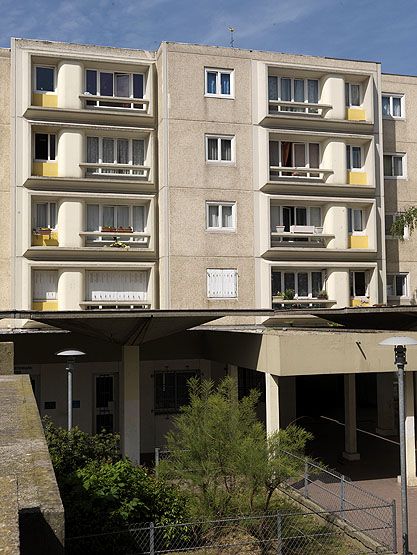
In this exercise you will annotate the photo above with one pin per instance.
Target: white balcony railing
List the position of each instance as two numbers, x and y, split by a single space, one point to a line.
284 304
300 236
116 170
294 173
115 237
289 107
114 102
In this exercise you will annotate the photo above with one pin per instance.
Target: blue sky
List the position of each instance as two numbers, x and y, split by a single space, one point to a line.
379 30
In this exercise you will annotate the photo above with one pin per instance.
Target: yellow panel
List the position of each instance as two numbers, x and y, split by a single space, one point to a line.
358 302
47 169
45 100
45 305
357 178
39 240
358 242
355 114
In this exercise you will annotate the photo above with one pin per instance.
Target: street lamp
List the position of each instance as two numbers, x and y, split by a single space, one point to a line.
400 350
70 355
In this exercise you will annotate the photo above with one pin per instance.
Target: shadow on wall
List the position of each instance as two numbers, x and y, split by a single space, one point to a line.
36 534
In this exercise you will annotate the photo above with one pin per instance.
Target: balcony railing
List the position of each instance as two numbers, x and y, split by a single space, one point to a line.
114 304
115 237
115 170
300 236
114 102
305 108
294 173
285 304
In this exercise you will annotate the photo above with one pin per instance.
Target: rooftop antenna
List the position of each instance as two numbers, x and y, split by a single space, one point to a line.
232 37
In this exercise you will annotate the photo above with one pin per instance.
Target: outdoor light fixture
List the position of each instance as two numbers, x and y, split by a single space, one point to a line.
400 350
70 355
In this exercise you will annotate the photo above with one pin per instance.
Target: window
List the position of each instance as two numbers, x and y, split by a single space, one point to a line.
297 156
106 152
221 215
44 215
304 284
44 285
219 82
393 106
394 165
117 286
285 90
219 149
101 217
44 79
118 85
45 147
171 389
397 285
352 94
358 286
353 157
356 221
221 284
295 215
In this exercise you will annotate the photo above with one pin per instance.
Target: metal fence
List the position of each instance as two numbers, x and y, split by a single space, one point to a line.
306 533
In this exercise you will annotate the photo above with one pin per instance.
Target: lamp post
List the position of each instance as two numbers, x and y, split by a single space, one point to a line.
400 350
70 355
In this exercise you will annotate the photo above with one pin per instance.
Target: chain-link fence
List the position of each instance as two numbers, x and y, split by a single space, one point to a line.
290 533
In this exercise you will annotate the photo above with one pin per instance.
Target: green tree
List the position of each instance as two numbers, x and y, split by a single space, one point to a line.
405 222
220 451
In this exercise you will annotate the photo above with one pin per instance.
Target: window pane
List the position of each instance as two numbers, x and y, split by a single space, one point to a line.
315 216
106 84
316 283
41 146
138 152
273 87
226 146
121 84
183 397
165 390
360 286
213 215
302 282
400 285
91 81
314 152
301 215
212 149
289 281
299 90
104 391
138 85
108 216
45 79
347 94
285 89
355 95
52 139
299 155
52 215
92 150
138 218
122 151
356 157
225 83
350 225
357 220
92 217
42 215
122 216
348 160
227 219
276 283
274 217
387 165
398 166
313 91
385 106
211 82
274 153
108 151
396 107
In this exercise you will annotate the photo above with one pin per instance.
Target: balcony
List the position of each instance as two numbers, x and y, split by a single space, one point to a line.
300 236
115 170
92 101
45 305
295 173
292 108
112 238
45 169
278 303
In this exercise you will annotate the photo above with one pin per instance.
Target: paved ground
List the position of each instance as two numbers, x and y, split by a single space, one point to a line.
377 470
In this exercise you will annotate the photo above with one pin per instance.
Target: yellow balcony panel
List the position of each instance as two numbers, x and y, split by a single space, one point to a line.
357 178
44 238
45 169
45 100
44 305
355 114
358 242
359 302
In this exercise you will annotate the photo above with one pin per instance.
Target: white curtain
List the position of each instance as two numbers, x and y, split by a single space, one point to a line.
273 87
275 217
122 216
92 150
396 107
108 150
227 216
138 147
122 84
45 285
108 216
315 216
213 215
212 149
93 217
299 90
226 146
138 218
313 91
42 215
122 151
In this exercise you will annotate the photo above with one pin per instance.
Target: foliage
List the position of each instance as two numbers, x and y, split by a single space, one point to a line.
322 294
289 294
221 452
407 220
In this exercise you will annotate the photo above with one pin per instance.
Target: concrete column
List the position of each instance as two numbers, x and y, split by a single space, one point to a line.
410 430
337 286
272 403
288 408
70 152
350 453
232 371
70 223
130 421
333 92
385 404
70 84
70 289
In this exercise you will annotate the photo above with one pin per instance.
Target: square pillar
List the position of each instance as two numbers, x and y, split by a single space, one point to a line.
130 420
272 403
410 430
385 404
350 453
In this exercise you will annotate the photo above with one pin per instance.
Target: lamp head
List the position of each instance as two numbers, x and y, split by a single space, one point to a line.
398 340
70 353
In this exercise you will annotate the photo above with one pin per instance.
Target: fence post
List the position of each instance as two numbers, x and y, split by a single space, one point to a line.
156 459
279 534
394 525
342 493
151 538
306 479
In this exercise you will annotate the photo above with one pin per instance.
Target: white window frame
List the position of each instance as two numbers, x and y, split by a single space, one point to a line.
402 155
219 139
307 158
220 205
293 79
308 210
391 96
100 219
110 171
309 273
130 97
49 159
351 215
223 270
35 88
49 208
348 101
407 285
353 273
349 162
218 73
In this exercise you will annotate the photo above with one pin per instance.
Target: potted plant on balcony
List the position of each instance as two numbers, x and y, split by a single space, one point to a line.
108 229
323 295
127 229
42 231
288 295
280 228
318 229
